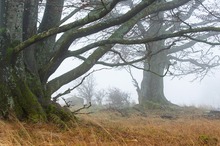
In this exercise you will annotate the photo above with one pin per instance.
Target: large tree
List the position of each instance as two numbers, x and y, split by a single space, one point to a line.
30 52
180 56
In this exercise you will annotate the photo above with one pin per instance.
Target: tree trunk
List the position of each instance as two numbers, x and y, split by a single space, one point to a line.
46 48
152 87
22 93
15 94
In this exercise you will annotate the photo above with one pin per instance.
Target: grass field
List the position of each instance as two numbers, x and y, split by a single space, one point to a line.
108 128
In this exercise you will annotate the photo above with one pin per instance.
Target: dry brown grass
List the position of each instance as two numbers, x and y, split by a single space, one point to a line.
108 129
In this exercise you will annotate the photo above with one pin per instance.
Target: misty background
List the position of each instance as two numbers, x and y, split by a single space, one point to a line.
184 91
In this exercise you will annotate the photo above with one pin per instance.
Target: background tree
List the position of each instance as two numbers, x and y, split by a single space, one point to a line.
118 99
30 52
87 89
100 96
181 56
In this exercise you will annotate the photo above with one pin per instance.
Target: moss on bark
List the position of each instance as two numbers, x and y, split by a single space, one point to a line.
28 107
58 115
5 100
23 95
26 103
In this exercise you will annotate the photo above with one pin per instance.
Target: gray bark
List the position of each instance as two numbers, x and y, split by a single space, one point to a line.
2 13
30 29
14 16
10 34
152 86
51 19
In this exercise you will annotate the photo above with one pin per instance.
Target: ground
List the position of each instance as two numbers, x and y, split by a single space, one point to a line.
185 127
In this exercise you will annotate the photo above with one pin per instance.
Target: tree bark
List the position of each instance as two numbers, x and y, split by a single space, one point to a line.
51 18
21 91
152 86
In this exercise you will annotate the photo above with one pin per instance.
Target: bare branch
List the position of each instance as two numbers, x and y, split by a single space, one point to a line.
191 43
116 64
193 61
212 14
84 107
90 18
67 103
135 82
71 89
141 68
146 40
202 41
70 15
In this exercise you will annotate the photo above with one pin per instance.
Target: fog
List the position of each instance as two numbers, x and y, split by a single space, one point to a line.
182 91
179 91
198 93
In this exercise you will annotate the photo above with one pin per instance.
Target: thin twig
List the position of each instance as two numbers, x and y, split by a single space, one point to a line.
84 107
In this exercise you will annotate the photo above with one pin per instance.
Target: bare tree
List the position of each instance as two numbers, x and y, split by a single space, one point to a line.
117 98
179 56
87 89
100 96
